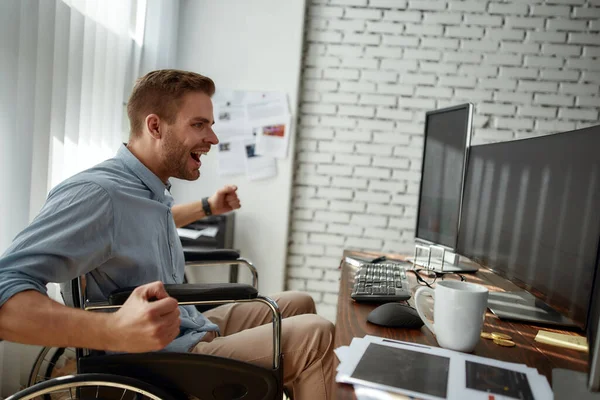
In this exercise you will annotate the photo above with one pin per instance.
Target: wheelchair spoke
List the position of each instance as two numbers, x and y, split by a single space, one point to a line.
58 394
123 395
51 360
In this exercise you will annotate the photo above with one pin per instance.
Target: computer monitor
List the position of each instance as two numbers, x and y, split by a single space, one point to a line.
446 142
445 150
531 213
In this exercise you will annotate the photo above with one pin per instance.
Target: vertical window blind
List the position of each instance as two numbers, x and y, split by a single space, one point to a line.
66 70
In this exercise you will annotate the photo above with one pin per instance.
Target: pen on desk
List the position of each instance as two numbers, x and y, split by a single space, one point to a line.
378 259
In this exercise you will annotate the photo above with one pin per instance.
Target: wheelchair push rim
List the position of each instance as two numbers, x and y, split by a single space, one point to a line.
71 384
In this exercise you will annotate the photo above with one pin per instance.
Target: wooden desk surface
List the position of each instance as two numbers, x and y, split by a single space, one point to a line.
352 322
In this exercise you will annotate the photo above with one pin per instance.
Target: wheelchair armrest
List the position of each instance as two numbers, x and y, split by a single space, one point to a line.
195 292
198 256
192 253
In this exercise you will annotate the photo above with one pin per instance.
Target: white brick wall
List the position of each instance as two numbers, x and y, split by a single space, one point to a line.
371 70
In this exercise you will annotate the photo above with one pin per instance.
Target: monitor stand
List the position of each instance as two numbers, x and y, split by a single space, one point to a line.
568 385
523 306
440 260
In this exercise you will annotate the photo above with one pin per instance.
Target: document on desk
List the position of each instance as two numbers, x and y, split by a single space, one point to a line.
425 372
195 234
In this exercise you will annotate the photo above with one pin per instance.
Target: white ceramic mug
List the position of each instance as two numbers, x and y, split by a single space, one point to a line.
458 313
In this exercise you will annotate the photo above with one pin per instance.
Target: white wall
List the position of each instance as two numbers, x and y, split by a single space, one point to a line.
248 45
371 70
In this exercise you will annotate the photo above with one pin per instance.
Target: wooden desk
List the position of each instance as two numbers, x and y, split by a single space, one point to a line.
352 322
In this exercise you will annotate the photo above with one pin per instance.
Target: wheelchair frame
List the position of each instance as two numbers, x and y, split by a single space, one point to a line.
79 300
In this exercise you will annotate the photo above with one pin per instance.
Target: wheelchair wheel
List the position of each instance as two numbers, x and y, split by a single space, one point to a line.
52 362
92 386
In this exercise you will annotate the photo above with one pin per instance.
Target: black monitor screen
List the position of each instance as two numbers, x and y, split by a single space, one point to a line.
531 212
447 134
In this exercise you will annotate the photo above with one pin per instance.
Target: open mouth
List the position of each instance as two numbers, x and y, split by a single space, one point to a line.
196 156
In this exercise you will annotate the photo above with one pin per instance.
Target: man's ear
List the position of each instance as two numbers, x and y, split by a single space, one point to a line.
153 126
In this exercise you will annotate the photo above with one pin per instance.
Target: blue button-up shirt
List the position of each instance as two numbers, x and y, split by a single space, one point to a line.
112 223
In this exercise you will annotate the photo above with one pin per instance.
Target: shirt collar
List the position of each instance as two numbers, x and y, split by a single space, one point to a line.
153 182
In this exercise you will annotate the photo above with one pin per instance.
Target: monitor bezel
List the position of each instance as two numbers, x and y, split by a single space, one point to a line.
469 108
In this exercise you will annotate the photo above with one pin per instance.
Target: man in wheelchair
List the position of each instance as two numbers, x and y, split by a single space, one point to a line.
115 225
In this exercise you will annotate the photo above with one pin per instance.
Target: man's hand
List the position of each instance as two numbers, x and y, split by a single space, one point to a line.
225 200
148 321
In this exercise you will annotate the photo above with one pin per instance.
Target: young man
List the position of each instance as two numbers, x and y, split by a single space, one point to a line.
115 224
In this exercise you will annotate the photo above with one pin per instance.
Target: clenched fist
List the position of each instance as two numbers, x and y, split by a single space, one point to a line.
224 200
148 321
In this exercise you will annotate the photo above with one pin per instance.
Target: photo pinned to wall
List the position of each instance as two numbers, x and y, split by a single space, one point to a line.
225 147
272 137
250 150
253 128
257 166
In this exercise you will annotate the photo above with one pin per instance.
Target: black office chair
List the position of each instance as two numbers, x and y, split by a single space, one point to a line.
163 375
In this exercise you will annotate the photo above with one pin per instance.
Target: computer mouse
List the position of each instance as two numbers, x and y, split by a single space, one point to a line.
395 315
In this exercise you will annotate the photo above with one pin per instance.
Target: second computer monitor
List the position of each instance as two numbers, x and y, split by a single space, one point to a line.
447 138
531 214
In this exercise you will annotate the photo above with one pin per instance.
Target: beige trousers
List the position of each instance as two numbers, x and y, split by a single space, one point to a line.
306 341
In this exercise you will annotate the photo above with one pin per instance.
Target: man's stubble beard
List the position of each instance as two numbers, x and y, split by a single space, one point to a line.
175 158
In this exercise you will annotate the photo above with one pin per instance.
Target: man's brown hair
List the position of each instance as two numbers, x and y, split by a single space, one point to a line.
159 92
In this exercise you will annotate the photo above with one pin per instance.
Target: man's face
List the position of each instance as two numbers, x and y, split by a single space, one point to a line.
189 137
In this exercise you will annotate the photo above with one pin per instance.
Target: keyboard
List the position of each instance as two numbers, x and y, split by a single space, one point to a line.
380 283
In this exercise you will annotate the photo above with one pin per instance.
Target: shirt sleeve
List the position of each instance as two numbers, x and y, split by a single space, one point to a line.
72 235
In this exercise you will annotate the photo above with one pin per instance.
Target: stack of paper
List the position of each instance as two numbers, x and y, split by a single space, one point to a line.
382 368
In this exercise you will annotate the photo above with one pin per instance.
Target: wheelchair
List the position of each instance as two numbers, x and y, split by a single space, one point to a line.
163 375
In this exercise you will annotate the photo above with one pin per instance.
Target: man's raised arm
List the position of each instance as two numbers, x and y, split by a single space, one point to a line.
224 200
